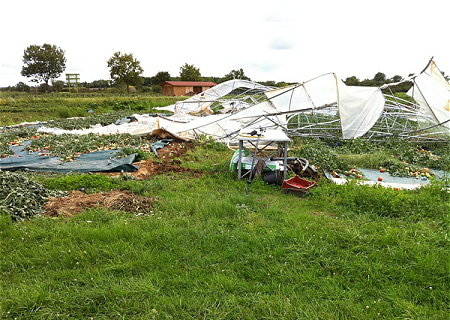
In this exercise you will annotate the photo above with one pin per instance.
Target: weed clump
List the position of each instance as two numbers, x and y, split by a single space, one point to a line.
320 154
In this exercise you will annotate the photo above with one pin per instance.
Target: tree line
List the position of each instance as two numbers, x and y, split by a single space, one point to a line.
45 63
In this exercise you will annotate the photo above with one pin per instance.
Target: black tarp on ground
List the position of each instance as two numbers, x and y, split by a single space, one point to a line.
87 162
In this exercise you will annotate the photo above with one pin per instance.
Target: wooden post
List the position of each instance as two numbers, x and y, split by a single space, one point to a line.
71 77
34 90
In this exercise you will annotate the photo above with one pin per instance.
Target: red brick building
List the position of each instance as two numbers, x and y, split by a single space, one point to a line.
184 88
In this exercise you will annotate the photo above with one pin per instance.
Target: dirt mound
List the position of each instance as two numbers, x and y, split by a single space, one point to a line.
77 201
167 161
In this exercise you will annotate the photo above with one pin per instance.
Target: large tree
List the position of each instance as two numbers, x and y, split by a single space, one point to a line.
43 63
236 74
124 68
190 73
161 77
380 78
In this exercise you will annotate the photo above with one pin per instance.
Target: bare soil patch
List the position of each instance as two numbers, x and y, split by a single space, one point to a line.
77 201
167 161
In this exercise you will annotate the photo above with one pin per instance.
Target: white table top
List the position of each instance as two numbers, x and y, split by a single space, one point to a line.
268 135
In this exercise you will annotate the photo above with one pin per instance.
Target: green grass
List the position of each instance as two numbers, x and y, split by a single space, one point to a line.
18 107
208 251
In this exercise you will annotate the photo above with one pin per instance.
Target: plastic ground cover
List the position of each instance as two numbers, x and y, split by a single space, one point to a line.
98 161
371 177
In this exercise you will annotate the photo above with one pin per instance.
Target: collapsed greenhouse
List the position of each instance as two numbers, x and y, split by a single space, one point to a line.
322 107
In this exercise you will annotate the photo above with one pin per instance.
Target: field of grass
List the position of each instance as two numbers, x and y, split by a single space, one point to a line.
16 107
208 251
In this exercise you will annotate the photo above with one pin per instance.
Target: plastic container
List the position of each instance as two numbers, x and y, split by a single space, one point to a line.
297 185
274 177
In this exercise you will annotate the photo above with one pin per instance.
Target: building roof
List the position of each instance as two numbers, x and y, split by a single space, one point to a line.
189 83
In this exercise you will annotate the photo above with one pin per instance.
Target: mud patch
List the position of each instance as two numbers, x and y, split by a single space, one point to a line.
168 161
77 201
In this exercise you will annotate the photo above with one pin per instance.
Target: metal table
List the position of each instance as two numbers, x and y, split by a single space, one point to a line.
268 138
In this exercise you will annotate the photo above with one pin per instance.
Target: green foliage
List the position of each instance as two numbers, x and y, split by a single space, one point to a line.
5 222
160 77
209 251
128 150
320 154
21 87
387 202
89 182
64 112
352 81
378 80
236 74
356 146
210 144
43 63
66 145
20 197
86 122
399 157
124 68
262 256
190 73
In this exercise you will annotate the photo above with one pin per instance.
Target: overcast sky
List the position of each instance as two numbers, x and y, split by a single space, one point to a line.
283 40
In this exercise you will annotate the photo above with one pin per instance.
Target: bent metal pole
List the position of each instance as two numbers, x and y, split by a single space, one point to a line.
250 177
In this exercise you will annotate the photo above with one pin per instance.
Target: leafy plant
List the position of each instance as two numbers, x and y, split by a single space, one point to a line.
21 197
320 154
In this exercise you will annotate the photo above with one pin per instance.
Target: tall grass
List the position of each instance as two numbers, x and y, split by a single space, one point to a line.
210 251
16 108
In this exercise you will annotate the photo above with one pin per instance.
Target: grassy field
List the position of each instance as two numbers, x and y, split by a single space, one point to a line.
17 107
208 251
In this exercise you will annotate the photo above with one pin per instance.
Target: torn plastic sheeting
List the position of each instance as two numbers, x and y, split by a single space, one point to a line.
432 92
160 144
372 175
126 120
144 125
85 164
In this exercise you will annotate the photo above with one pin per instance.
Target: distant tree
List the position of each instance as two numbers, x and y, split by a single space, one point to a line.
380 78
161 77
236 74
58 85
147 81
269 83
213 79
84 84
124 68
156 89
352 81
43 63
42 88
397 78
368 83
282 84
190 73
20 86
101 84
